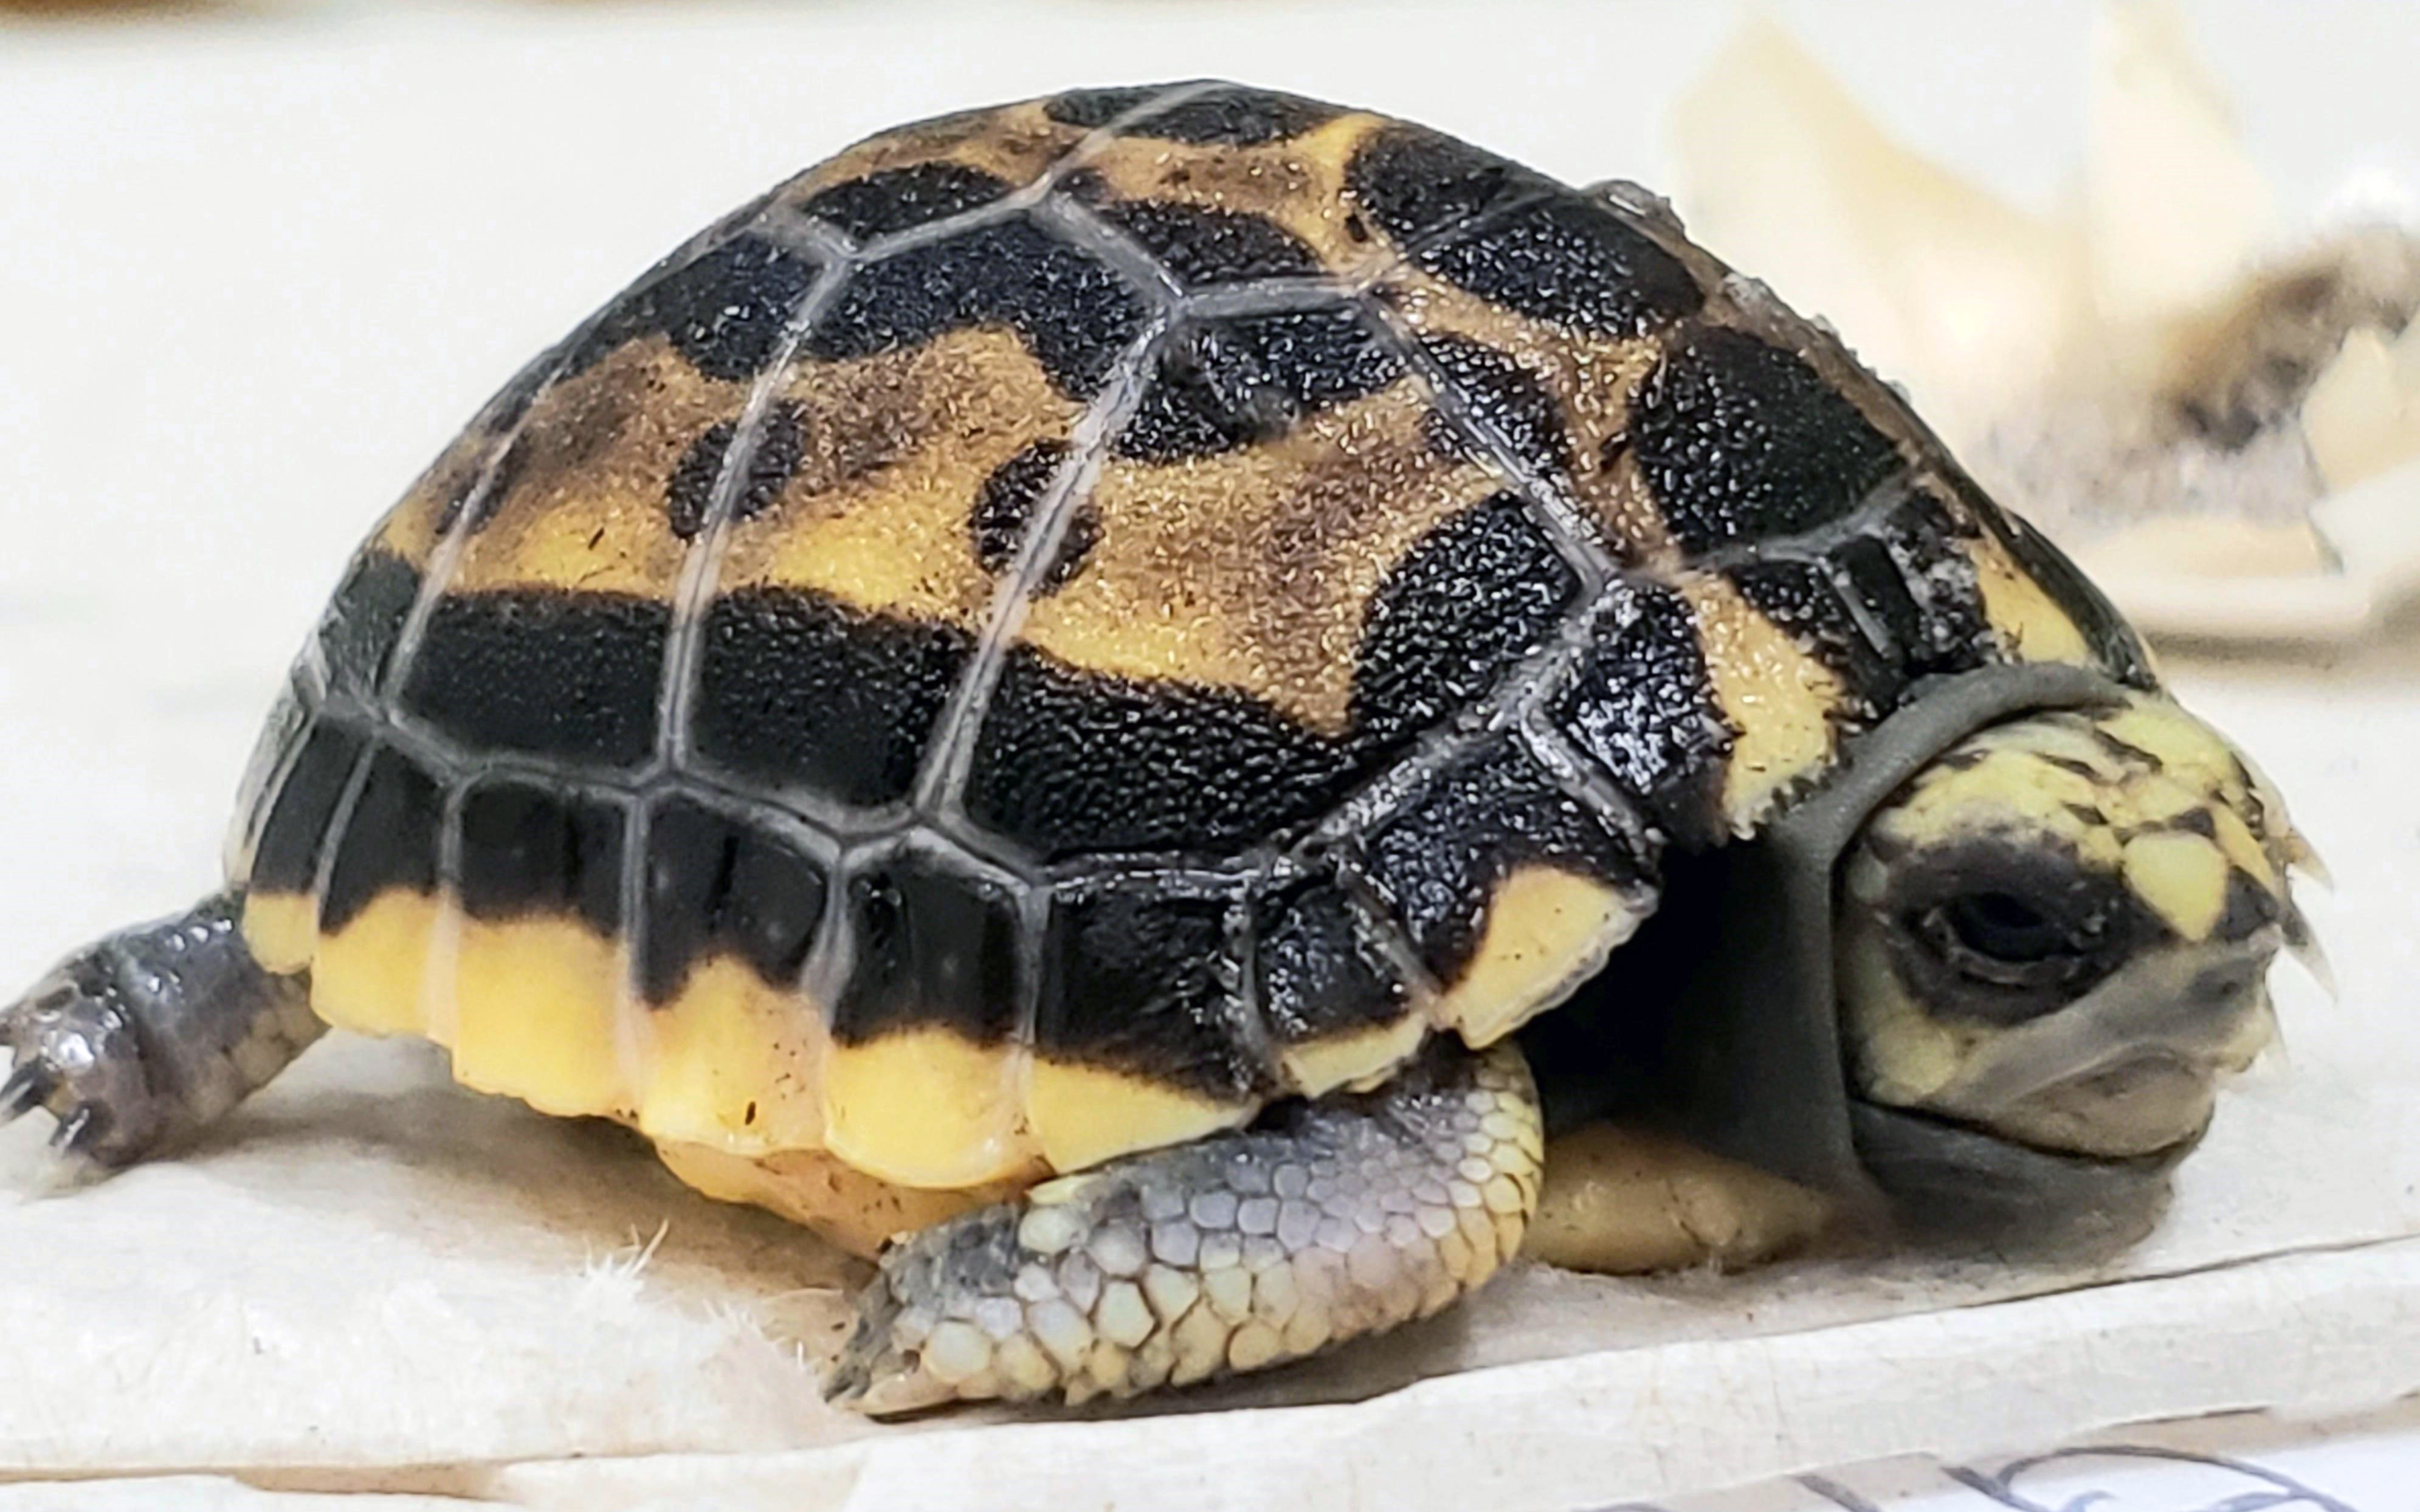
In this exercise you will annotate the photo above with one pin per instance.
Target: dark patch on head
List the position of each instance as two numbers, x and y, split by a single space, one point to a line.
1004 510
1230 115
1465 604
933 946
795 690
2197 822
781 444
1415 182
391 839
900 199
358 633
1643 707
1439 858
1218 385
1203 247
2250 907
718 885
725 312
2085 814
1741 441
2068 764
1138 981
1074 313
1569 260
1317 973
2113 641
1956 910
543 672
1073 762
1505 397
528 849
1802 599
286 858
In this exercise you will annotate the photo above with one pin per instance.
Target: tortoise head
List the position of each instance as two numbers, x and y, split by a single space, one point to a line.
2057 934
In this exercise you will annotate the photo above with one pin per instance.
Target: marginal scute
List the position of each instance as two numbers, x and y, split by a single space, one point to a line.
1143 981
1335 1008
294 836
1416 182
365 616
924 1107
1801 597
533 848
1493 815
391 839
1785 707
721 887
933 944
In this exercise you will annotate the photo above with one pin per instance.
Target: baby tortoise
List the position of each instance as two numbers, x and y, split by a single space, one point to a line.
1066 683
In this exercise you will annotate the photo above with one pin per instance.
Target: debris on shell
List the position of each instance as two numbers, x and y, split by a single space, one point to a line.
2151 373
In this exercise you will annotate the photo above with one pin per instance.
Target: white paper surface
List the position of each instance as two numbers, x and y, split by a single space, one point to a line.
255 273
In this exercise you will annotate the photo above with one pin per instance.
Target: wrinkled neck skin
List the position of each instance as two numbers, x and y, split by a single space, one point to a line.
1722 1021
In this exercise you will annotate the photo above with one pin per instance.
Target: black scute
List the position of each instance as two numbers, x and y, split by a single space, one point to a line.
901 199
1570 261
1801 597
528 849
1439 858
1140 981
543 673
781 444
391 839
1508 399
1415 182
286 858
716 885
364 619
794 689
1219 385
724 312
1071 762
1230 115
1471 598
1004 510
1205 247
935 945
1740 440
1318 975
1071 311
1643 707
1925 541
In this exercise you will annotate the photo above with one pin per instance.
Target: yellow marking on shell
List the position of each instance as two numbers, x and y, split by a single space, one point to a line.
2182 876
2030 625
1295 184
1083 1115
1591 380
734 1063
857 1212
1317 1066
409 530
371 976
1016 143
1781 700
585 507
280 929
1547 931
1255 569
896 449
536 1004
926 1107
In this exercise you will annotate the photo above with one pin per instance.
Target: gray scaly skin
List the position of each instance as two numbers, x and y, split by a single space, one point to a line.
138 1042
1339 1217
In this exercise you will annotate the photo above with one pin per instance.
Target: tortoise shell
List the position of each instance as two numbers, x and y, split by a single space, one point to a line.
1066 622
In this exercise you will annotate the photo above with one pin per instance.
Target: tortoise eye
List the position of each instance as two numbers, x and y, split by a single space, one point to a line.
2001 939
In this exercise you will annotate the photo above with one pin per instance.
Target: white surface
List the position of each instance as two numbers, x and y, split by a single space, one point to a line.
253 274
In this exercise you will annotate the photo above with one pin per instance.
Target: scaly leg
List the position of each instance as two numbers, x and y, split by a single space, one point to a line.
150 1036
1333 1218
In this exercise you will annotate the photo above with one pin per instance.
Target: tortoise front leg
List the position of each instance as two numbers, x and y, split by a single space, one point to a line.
150 1035
1332 1219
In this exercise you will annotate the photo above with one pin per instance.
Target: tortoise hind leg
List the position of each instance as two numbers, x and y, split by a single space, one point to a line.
150 1035
1334 1218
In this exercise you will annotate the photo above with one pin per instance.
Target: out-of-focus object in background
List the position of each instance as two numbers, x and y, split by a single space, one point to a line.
2222 425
